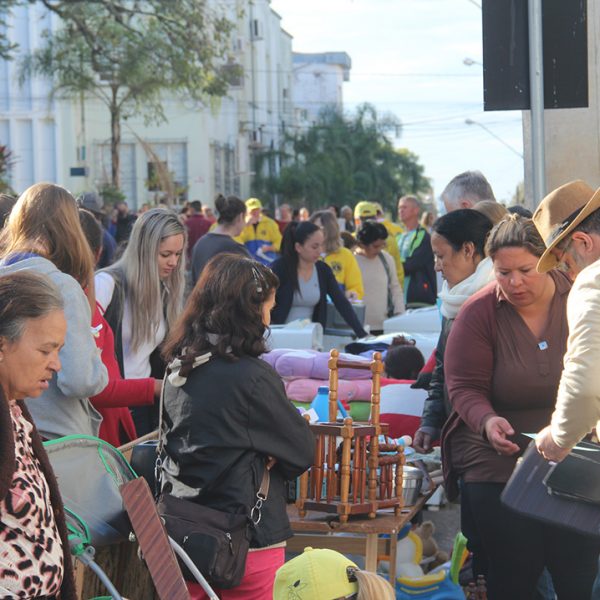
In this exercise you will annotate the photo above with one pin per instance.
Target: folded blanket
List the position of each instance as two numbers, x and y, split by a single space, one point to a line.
310 364
304 390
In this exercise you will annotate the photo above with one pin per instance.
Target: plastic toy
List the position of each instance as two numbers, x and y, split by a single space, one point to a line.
439 585
432 556
435 586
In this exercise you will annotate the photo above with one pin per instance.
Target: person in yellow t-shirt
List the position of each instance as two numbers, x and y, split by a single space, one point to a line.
364 211
341 260
261 236
393 229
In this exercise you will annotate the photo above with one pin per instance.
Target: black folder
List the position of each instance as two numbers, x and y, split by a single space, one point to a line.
543 491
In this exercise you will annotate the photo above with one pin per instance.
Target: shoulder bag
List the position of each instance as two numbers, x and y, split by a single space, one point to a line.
216 542
565 495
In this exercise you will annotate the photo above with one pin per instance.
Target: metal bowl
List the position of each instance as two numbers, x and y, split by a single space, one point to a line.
412 481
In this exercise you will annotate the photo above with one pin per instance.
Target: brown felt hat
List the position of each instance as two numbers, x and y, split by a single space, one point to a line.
559 213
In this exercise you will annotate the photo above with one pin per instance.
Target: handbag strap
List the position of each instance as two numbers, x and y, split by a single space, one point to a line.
390 300
261 497
176 372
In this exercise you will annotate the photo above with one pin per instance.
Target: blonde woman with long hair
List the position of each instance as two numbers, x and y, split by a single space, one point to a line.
43 234
141 296
341 260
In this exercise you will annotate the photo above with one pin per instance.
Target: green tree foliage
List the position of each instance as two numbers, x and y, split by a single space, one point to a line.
129 53
342 160
7 160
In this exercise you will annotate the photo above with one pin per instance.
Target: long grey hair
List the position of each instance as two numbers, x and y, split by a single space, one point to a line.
149 297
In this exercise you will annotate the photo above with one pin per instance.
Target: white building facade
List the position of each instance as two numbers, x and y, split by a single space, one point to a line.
318 83
206 149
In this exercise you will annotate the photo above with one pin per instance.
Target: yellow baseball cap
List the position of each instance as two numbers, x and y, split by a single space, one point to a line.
364 210
253 203
316 574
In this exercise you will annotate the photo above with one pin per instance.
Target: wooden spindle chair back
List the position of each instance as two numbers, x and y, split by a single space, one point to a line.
356 480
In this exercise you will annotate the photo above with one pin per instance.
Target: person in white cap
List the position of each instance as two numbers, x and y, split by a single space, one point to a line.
568 220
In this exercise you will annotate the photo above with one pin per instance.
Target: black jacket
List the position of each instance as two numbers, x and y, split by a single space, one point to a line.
220 427
437 407
419 267
328 286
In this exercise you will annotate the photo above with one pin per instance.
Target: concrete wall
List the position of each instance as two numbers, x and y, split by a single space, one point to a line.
572 135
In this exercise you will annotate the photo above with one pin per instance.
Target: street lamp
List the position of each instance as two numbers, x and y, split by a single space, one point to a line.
471 122
469 62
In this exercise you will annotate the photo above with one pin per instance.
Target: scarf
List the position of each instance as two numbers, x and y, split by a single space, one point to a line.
180 368
453 298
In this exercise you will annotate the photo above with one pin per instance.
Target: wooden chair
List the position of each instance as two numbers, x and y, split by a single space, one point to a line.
356 480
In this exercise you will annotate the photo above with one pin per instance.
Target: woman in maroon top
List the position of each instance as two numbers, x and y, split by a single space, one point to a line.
503 366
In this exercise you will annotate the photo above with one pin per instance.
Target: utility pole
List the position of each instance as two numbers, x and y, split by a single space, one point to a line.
536 89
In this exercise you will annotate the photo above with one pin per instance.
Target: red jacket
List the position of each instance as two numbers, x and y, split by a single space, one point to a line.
112 402
196 226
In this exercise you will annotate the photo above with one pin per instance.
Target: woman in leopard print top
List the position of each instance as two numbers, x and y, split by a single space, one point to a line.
34 549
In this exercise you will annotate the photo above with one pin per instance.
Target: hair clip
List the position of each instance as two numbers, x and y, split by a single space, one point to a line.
257 279
351 574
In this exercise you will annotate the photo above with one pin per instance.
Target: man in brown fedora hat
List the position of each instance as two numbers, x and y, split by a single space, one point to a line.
568 219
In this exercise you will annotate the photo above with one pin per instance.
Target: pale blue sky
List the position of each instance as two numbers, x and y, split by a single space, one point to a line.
407 58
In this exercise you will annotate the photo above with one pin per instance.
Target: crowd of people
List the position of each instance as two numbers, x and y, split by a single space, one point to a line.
100 312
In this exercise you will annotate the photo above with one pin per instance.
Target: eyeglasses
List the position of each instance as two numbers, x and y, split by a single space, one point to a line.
561 265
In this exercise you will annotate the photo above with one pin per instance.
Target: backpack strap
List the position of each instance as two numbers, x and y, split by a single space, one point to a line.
390 300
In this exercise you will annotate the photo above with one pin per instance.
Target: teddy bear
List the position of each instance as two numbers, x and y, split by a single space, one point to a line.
432 555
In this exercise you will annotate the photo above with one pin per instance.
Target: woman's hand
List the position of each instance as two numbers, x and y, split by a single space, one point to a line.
422 442
157 387
497 430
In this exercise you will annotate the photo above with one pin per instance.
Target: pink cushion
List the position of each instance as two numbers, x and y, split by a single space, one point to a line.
304 389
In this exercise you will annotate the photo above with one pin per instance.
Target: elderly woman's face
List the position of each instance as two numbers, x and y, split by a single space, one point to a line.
29 363
519 281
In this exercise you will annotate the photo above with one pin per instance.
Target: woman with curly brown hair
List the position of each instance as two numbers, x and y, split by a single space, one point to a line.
227 416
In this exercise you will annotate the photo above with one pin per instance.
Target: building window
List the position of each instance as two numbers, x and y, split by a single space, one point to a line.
166 167
154 170
225 176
